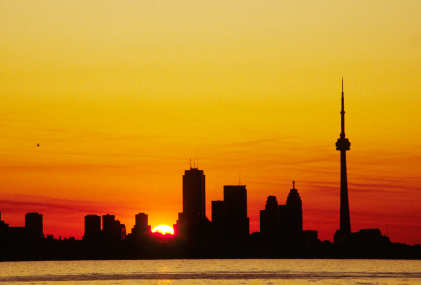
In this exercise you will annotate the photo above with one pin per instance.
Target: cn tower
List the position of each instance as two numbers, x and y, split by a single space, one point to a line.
343 145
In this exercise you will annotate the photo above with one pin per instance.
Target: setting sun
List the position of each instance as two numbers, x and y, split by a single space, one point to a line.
163 229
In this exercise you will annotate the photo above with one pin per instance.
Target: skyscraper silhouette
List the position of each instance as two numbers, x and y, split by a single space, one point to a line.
192 222
290 218
219 220
112 229
269 218
295 212
141 226
34 225
235 198
343 145
92 227
194 193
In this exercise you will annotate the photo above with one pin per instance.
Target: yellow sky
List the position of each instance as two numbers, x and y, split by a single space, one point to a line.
120 94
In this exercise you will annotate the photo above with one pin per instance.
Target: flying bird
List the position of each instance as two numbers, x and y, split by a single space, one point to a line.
37 144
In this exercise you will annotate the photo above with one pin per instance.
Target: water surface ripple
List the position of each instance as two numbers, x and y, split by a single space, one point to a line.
213 272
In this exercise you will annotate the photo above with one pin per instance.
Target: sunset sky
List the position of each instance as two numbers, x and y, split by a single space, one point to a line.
120 94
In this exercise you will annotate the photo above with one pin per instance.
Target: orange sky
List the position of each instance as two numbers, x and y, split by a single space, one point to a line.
120 94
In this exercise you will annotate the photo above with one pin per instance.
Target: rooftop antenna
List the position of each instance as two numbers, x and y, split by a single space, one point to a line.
239 178
293 184
197 162
190 162
342 112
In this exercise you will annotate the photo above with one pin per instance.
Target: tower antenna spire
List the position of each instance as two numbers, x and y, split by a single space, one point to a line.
342 112
343 145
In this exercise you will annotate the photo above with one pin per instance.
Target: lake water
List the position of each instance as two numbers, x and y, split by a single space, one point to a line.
249 271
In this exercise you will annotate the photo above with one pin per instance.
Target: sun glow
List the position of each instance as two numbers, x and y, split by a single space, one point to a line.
163 229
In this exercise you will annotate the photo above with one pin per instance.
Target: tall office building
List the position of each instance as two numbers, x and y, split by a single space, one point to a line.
108 223
283 221
194 193
219 220
92 227
290 219
192 222
235 198
343 145
295 211
218 212
112 229
141 226
34 225
269 218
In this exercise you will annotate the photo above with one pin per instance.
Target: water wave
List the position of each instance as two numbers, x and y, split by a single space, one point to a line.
213 276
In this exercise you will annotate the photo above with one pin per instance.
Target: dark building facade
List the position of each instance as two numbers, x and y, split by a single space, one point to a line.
141 226
269 218
219 220
194 198
294 212
285 222
235 198
343 145
192 222
3 226
219 212
34 225
291 218
112 229
229 217
92 227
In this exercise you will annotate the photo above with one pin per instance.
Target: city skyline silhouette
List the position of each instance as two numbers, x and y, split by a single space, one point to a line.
194 202
226 235
104 103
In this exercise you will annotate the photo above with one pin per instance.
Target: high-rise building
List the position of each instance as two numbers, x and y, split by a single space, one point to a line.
141 226
112 229
219 212
343 145
92 227
290 219
108 223
295 211
192 222
235 198
194 202
269 218
219 222
283 221
34 225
